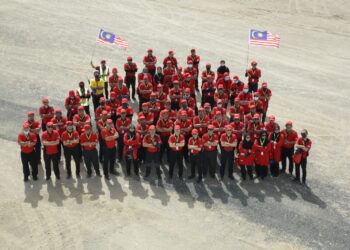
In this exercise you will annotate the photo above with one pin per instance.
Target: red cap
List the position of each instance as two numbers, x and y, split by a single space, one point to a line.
177 127
264 84
49 124
236 116
58 110
220 86
193 50
217 113
171 52
145 104
87 127
168 62
175 82
71 93
153 94
187 90
194 131
152 127
226 74
206 105
114 70
120 79
253 63
160 86
129 58
210 77
124 100
200 109
208 65
142 117
109 121
228 127
103 61
256 116
210 127
30 113
219 101
272 118
182 101
69 123
80 108
123 111
45 100
113 94
289 123
189 62
187 75
102 99
104 112
25 125
145 77
150 50
235 78
245 86
256 94
236 100
184 113
252 106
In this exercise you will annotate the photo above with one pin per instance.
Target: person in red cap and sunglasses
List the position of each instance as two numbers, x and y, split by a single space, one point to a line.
88 140
122 125
151 142
303 146
176 144
144 90
290 138
150 62
27 142
142 129
81 119
71 148
195 146
132 143
228 143
72 103
271 125
59 124
253 75
195 60
46 113
130 79
113 79
109 136
207 72
210 143
51 139
164 128
265 95
277 140
235 88
171 59
35 128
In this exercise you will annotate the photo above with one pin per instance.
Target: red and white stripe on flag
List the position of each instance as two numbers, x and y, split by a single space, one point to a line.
121 43
271 41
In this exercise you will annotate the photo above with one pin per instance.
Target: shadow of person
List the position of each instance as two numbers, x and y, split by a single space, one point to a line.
285 186
203 195
94 187
184 193
307 195
235 191
159 192
269 188
75 192
32 192
253 189
136 187
56 193
41 171
217 191
115 189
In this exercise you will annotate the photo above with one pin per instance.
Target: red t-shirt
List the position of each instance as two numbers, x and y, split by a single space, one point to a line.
31 137
203 122
237 127
219 126
206 138
91 138
66 136
143 87
164 124
253 76
150 59
122 123
59 124
176 139
289 136
130 69
156 141
46 111
54 136
185 124
230 139
79 122
307 144
105 133
198 143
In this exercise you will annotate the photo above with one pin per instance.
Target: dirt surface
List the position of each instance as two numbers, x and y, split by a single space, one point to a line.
46 48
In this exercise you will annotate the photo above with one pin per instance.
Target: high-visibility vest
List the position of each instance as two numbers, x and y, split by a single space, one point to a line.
104 73
84 101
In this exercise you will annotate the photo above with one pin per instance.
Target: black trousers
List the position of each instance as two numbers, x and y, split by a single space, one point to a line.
37 149
303 164
275 168
59 147
87 110
43 126
187 137
152 72
142 154
287 153
226 157
109 160
253 87
245 169
96 101
54 159
196 163
120 141
176 157
29 159
131 81
101 143
91 158
164 146
261 171
152 159
209 162
209 99
106 90
68 154
129 159
175 105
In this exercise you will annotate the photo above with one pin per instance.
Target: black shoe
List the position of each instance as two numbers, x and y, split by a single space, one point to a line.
98 174
296 180
48 178
147 174
58 178
69 176
114 172
78 175
25 179
88 175
101 160
159 176
190 177
35 178
199 180
107 177
231 177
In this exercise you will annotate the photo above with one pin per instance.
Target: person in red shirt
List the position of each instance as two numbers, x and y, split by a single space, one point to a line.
175 95
172 113
189 82
70 140
81 119
303 146
191 70
35 128
235 88
27 141
113 79
255 127
185 127
113 103
210 142
59 124
228 142
246 156
225 81
46 113
253 75
263 155
159 78
208 91
236 109
146 113
51 140
88 140
184 107
290 138
271 125
129 110
162 97
221 95
103 107
195 145
176 144
152 144
164 128
72 103
195 60
122 125
207 110
142 130
168 72
276 139
154 107
109 136
131 145
207 72
219 124
237 127
264 96
171 58
150 62
257 103
130 79
219 108
121 90
178 76
201 122
191 102
244 98
144 90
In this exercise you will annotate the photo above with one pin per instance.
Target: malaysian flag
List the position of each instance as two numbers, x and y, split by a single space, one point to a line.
263 38
110 38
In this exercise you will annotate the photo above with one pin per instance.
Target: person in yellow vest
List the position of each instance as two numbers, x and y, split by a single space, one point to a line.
97 86
104 73
84 95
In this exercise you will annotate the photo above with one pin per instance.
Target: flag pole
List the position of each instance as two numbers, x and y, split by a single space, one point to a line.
93 49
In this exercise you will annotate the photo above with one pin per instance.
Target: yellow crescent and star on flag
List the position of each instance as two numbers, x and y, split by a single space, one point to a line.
256 34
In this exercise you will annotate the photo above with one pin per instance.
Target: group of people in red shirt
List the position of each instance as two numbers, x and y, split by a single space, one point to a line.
225 130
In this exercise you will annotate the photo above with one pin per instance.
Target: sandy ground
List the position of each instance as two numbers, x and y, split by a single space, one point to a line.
46 47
